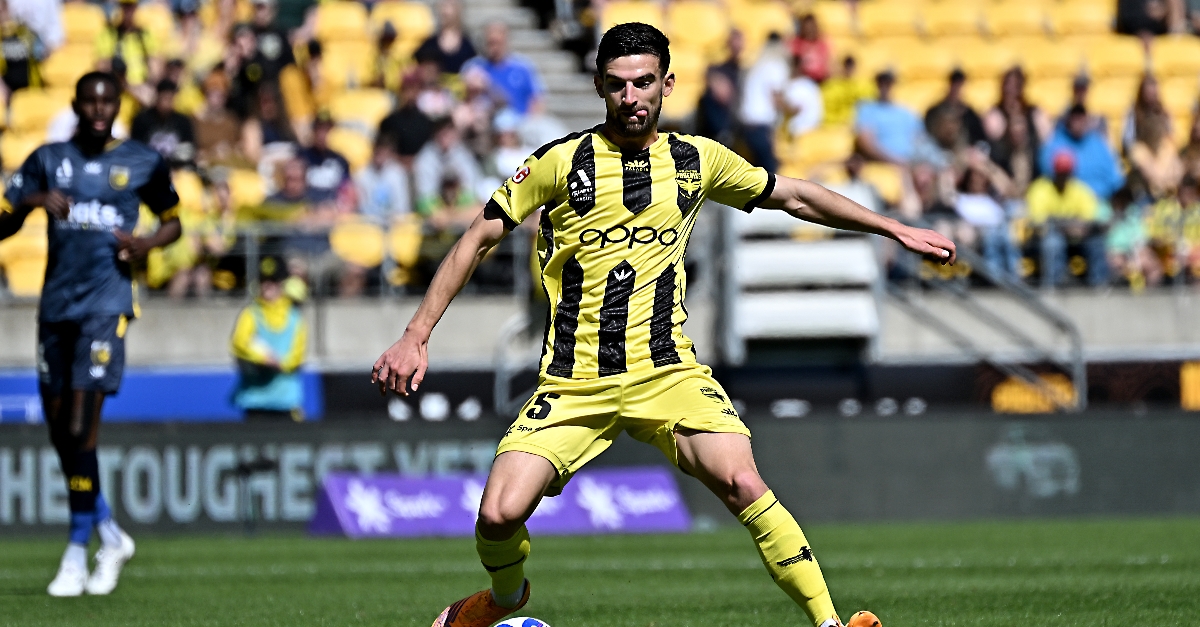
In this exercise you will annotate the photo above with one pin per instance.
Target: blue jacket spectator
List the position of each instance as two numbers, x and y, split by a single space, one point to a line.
1095 163
884 130
514 79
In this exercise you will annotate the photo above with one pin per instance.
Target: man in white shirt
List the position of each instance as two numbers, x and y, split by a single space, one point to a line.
762 95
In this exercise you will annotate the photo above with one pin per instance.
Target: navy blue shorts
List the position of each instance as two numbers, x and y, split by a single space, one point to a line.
86 354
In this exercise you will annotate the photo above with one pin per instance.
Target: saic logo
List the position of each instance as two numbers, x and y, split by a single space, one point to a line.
621 234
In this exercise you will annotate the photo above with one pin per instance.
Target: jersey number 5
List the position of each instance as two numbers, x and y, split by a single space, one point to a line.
541 407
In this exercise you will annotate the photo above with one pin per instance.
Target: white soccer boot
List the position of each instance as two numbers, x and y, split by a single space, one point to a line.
109 561
70 580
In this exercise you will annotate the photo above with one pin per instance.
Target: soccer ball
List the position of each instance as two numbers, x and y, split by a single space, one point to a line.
522 621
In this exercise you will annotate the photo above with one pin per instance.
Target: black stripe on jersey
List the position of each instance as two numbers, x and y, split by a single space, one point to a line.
492 211
566 320
541 152
687 172
635 177
547 235
662 345
766 193
581 180
614 318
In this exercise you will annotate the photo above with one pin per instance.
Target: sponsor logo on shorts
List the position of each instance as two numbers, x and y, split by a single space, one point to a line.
714 394
805 555
80 483
101 355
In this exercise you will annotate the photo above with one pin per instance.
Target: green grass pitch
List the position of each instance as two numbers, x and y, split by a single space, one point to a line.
1105 572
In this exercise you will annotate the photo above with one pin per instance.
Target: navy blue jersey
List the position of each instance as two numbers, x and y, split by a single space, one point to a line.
84 278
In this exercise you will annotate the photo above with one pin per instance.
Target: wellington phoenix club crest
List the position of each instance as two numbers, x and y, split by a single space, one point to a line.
688 181
118 177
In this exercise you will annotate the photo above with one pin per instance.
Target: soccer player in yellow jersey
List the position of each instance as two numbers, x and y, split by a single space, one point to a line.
618 204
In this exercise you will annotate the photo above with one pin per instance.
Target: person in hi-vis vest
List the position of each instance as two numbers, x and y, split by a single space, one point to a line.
269 342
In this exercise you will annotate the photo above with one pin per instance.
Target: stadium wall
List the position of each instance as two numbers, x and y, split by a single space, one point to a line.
178 477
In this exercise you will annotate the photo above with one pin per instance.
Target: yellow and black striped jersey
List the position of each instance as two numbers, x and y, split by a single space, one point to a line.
612 238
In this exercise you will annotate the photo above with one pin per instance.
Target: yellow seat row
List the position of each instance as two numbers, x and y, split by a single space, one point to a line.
896 18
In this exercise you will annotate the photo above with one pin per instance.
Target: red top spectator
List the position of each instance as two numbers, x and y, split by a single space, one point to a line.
812 48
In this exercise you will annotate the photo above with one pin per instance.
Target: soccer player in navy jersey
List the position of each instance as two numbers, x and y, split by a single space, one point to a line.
91 188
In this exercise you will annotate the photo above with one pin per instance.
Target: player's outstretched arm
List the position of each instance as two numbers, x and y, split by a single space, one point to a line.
408 358
808 201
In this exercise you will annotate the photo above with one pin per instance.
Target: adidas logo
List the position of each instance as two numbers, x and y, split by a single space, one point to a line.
637 164
805 555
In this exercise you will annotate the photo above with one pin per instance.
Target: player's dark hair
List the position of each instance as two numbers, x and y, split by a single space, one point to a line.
96 77
624 40
1076 109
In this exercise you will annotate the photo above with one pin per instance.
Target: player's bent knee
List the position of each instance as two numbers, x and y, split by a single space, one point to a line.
500 517
742 487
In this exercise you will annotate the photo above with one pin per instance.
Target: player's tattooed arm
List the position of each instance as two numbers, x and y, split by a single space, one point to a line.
403 365
813 203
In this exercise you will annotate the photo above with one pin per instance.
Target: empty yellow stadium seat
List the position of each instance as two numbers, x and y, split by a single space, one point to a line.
689 66
887 19
30 110
156 19
1081 17
341 21
65 66
834 19
827 144
16 147
358 242
1051 94
984 60
919 95
1176 56
982 94
1179 95
361 108
914 60
625 11
246 188
348 64
1043 58
949 19
354 146
757 19
1015 18
190 189
23 257
1112 97
699 24
886 178
404 240
82 22
413 21
1115 56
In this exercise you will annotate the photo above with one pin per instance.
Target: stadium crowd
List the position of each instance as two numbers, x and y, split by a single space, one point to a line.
349 136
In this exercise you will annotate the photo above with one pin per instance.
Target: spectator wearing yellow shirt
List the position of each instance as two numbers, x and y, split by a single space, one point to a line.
138 48
843 92
269 343
1064 211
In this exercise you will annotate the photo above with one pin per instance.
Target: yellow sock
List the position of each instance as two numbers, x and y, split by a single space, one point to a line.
505 562
788 557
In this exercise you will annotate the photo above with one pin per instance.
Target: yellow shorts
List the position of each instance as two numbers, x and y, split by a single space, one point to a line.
571 421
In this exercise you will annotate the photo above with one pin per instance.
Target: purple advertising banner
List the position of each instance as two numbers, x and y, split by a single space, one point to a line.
617 500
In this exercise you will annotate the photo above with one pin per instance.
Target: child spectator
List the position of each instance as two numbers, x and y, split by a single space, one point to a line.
269 343
1129 256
